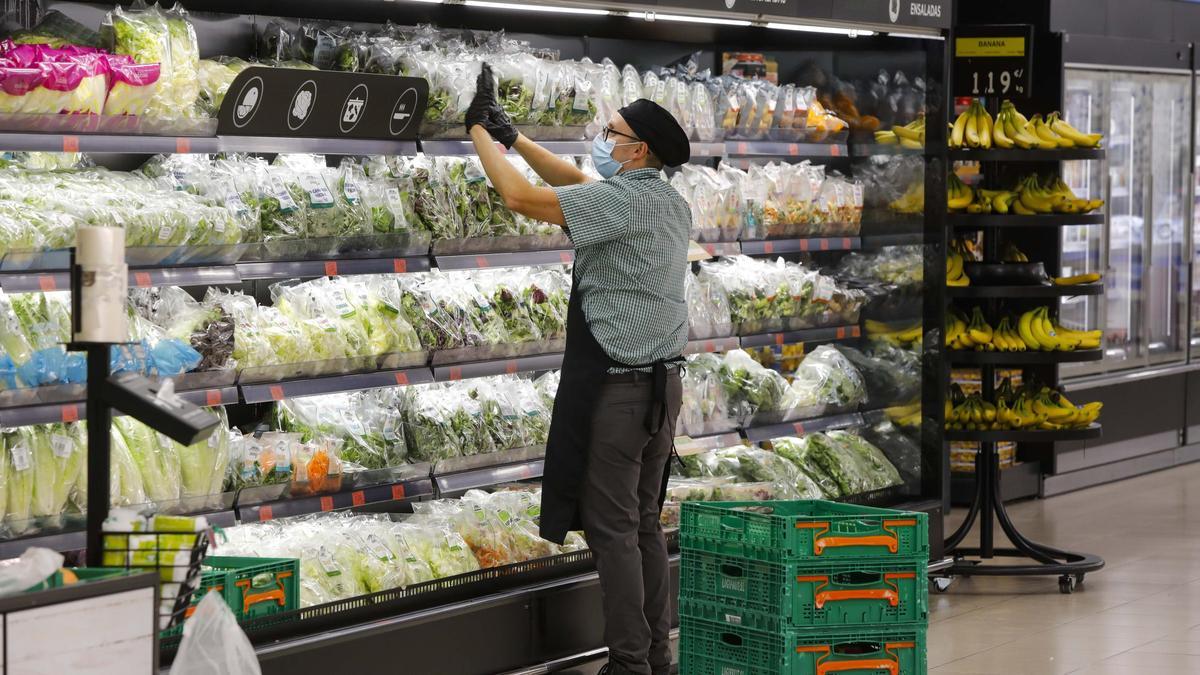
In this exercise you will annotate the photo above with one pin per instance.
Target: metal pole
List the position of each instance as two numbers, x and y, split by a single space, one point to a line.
99 422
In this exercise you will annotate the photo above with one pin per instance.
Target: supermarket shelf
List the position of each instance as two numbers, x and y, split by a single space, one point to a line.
686 445
463 147
521 364
716 149
75 409
1020 155
515 259
875 149
723 344
783 149
75 540
1025 435
720 248
874 241
89 142
26 282
803 426
332 146
973 358
321 268
800 245
1022 292
468 473
401 490
1010 220
312 386
807 335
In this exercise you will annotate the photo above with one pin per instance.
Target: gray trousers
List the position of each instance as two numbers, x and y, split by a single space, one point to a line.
620 513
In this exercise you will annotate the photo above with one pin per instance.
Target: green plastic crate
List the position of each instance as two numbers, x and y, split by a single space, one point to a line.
707 648
84 574
813 532
771 597
256 587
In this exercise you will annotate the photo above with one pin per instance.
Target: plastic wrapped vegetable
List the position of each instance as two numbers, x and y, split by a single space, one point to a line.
826 379
156 459
20 470
751 388
203 465
881 471
131 87
799 452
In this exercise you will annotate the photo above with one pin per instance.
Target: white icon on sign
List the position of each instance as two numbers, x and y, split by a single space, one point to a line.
894 10
248 101
353 108
402 112
730 3
302 105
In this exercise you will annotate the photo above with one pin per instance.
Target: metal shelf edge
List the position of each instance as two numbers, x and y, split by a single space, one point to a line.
805 335
267 392
803 426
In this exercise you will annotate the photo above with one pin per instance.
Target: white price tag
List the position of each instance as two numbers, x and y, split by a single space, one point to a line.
62 446
20 457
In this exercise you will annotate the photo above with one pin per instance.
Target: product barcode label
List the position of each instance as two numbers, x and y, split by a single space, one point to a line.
319 195
62 446
351 191
20 457
281 194
583 95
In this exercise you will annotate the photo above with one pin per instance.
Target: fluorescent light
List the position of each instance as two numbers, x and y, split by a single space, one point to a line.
531 8
850 32
655 16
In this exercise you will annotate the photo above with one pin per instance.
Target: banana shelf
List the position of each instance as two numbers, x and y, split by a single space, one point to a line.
976 128
1028 407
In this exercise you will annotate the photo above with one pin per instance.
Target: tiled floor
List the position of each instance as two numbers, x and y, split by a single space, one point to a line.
1139 615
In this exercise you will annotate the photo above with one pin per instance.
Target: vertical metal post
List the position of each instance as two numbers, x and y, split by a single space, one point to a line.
99 422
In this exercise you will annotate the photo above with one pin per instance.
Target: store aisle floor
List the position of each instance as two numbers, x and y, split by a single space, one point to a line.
1138 615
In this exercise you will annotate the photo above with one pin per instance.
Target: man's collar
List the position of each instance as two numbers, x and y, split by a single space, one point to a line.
640 174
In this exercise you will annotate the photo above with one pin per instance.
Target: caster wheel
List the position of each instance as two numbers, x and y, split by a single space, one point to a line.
1079 580
942 584
1066 584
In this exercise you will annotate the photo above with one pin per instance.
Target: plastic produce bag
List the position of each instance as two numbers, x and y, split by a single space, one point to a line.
34 566
213 642
826 379
752 389
799 452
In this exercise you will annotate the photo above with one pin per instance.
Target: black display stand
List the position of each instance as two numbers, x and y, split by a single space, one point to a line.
1000 169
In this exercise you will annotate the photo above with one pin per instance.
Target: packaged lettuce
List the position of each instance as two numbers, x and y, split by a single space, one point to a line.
799 452
131 86
202 466
882 472
19 456
156 459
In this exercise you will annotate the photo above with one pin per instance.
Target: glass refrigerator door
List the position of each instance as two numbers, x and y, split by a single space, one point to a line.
1195 332
1164 289
1084 246
1129 210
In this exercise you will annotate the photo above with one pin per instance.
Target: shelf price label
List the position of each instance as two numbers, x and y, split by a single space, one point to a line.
994 60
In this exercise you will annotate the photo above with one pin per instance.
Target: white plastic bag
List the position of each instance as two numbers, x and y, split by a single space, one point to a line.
213 643
32 568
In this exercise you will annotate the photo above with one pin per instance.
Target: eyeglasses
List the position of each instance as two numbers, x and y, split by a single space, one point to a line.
609 130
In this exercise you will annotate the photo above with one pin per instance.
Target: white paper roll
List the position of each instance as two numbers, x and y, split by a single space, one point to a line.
104 287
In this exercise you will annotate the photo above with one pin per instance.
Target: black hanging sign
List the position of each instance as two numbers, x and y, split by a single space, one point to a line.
993 61
321 104
899 13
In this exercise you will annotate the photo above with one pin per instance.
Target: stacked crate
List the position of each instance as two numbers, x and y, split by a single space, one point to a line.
802 588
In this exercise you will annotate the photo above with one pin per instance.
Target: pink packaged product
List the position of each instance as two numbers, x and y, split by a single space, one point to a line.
15 85
131 85
39 79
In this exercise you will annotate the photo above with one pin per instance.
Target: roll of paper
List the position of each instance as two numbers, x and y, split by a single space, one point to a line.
104 286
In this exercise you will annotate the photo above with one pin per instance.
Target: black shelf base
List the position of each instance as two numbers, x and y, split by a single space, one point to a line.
987 507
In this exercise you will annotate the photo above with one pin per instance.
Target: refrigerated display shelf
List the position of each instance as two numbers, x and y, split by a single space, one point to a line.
712 345
877 149
133 143
399 491
968 220
807 335
694 445
973 358
218 275
799 245
522 364
875 241
266 392
784 149
802 426
1022 292
498 474
513 259
465 147
1026 435
76 410
720 248
1020 155
332 267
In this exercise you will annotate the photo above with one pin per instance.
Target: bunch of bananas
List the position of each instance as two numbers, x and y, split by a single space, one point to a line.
1030 197
1012 254
1078 279
1031 331
955 262
908 415
905 335
973 128
1028 408
912 201
911 135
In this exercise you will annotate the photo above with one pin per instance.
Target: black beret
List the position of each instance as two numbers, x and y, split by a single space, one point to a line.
658 128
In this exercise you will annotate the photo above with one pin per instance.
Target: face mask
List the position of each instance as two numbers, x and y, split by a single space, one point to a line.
602 156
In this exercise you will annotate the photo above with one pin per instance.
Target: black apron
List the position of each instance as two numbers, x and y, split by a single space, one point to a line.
585 365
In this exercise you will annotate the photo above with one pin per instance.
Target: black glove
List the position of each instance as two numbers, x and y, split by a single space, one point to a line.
500 126
484 101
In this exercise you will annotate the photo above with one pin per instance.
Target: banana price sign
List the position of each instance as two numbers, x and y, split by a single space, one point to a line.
994 60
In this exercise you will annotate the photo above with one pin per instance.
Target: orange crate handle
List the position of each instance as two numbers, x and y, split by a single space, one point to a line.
887 594
870 665
822 543
278 594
